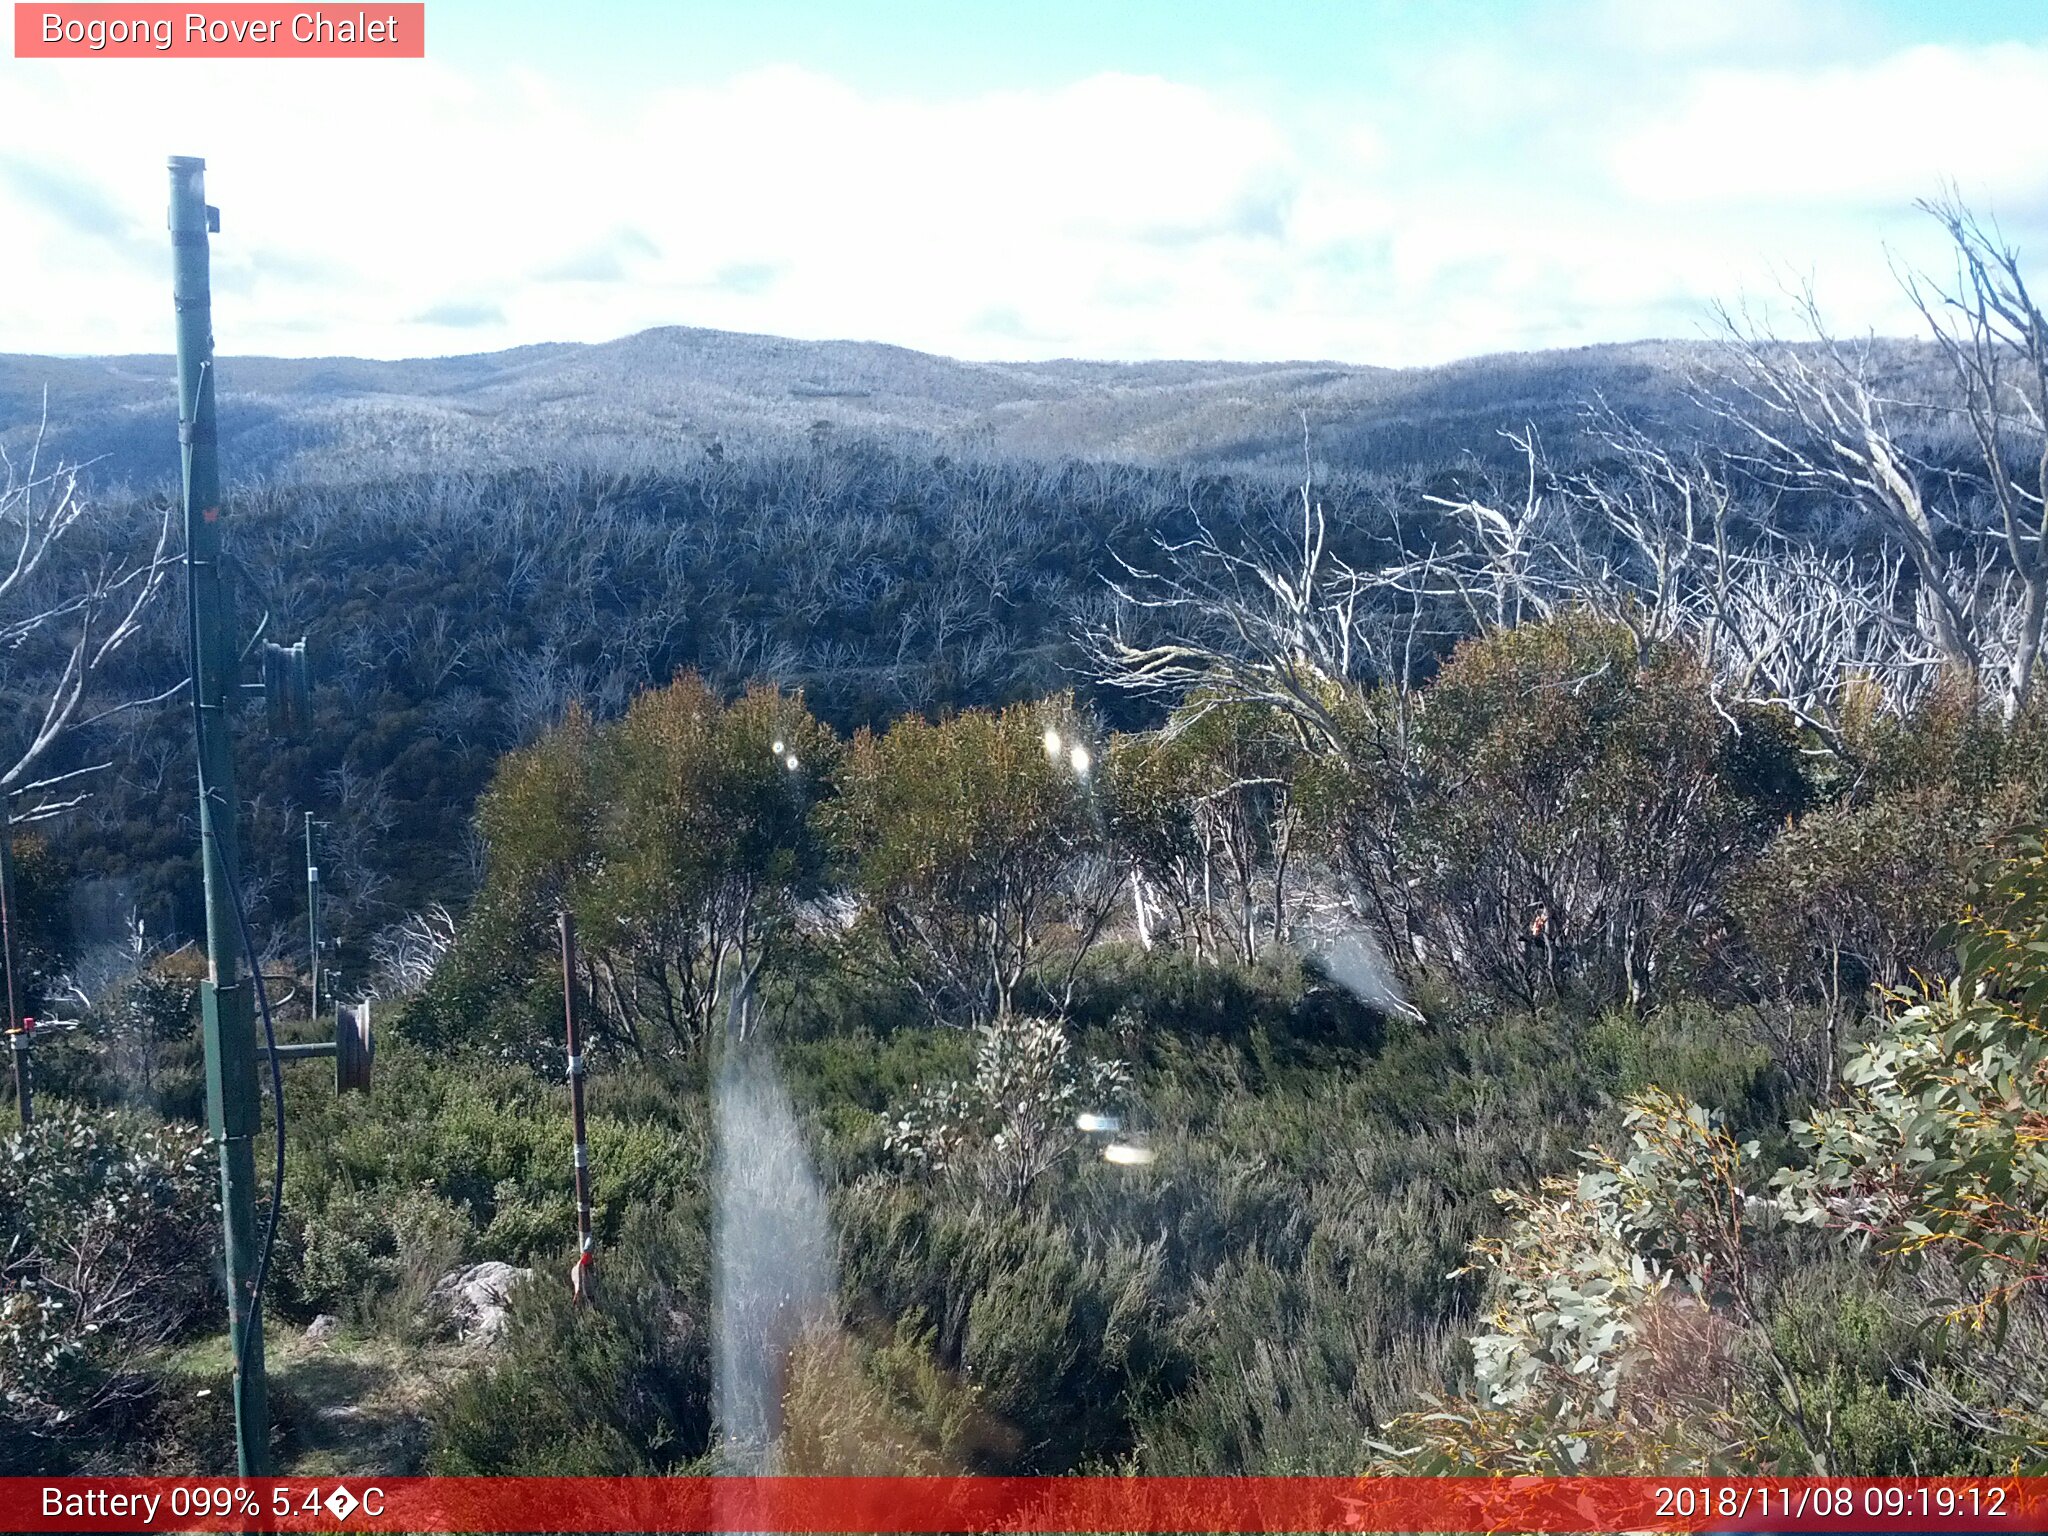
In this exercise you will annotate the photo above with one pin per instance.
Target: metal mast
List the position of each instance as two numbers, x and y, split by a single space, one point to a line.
580 1275
312 922
227 1004
17 1027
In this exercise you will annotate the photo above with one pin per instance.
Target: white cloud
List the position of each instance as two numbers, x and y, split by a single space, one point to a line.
1492 197
1882 132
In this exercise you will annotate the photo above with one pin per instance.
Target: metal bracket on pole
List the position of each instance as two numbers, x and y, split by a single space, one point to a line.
352 1048
287 686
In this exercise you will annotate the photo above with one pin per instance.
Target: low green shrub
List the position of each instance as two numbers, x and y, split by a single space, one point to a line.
454 1159
107 1247
619 1388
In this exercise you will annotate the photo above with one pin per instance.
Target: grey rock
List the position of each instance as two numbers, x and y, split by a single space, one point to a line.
474 1299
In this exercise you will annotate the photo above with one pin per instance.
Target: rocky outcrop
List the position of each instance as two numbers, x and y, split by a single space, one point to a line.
476 1299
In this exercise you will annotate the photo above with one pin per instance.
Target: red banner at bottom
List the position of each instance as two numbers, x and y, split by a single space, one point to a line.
895 1506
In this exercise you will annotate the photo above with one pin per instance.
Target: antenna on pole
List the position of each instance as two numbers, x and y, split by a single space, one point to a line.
226 1004
228 997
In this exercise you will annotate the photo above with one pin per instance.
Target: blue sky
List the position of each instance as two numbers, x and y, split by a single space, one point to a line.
1272 48
1357 179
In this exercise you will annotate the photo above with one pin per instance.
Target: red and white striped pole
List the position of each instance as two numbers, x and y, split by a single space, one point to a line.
579 1276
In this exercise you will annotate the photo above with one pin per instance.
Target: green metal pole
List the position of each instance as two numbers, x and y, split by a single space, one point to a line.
225 999
312 923
17 1035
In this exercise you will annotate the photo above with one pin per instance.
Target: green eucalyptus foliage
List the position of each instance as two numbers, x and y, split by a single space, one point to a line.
106 1247
1860 891
1313 1273
682 837
1578 801
41 922
138 1045
1657 1313
975 848
1206 810
1614 1305
1938 1153
1011 1122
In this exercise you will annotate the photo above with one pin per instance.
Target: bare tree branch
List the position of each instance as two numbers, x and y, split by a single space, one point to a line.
79 610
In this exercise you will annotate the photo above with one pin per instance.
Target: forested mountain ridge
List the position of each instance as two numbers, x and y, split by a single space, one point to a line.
675 391
1475 850
470 543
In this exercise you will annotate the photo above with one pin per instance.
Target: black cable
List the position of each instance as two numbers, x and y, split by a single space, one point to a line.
250 1330
192 652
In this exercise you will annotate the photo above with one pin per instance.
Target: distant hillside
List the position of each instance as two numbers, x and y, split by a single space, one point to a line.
674 392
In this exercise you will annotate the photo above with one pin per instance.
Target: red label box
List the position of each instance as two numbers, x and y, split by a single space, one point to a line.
929 1506
226 31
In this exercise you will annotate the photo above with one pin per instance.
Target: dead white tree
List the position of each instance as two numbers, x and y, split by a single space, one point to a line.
1664 541
1652 541
1801 629
1271 619
1819 417
1237 625
1995 337
65 611
408 953
1817 421
1504 572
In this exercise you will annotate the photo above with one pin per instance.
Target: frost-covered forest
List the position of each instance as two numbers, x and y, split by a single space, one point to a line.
1504 940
